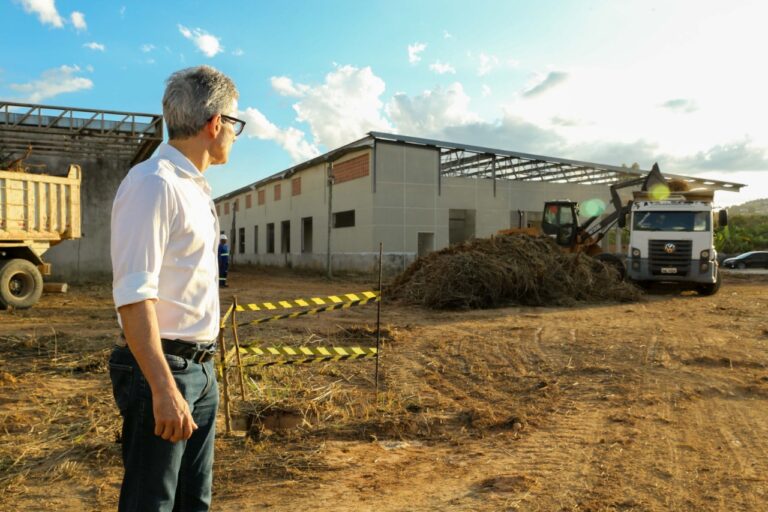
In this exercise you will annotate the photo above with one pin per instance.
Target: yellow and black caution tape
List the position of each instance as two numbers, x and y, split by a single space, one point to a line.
315 301
307 355
313 311
308 351
226 316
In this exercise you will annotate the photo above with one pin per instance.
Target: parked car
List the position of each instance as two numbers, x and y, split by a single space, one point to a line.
751 259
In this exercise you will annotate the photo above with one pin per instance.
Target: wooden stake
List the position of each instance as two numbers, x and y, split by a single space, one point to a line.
378 325
223 349
237 349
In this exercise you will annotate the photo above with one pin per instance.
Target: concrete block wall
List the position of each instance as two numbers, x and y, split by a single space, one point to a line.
88 258
305 194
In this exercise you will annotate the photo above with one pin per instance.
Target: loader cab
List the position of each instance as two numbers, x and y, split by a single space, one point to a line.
560 221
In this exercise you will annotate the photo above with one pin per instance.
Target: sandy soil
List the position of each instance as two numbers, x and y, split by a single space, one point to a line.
651 406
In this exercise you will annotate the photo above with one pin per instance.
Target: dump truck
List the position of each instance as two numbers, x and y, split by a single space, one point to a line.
37 211
671 240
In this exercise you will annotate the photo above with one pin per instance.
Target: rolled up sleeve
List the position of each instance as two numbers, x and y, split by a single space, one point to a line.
141 222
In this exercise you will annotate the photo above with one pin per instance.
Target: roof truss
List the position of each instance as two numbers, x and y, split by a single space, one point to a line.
64 131
467 161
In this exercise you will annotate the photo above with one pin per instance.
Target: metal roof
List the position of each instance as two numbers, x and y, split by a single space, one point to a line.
75 132
469 161
464 160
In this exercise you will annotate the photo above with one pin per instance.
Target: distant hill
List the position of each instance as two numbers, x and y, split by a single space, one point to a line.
756 207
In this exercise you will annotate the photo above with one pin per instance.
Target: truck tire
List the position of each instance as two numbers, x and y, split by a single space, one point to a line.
711 288
21 284
613 261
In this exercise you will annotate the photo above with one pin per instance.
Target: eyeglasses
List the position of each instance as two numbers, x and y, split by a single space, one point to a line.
237 124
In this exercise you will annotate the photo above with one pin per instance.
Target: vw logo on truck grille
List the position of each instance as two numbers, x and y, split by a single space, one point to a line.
669 248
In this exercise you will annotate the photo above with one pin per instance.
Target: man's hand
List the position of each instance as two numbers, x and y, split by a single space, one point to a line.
173 419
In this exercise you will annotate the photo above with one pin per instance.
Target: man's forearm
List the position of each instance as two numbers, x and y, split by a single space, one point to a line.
143 337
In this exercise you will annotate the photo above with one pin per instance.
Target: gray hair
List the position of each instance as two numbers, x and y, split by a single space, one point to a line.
193 96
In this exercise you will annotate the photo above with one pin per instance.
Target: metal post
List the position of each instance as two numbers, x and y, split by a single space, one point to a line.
378 325
328 271
237 347
233 232
223 349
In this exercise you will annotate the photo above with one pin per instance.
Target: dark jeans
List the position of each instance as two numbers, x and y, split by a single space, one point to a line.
160 475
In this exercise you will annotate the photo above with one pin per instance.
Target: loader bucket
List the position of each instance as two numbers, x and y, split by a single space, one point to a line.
654 179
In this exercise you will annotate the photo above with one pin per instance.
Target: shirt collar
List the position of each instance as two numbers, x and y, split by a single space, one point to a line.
184 168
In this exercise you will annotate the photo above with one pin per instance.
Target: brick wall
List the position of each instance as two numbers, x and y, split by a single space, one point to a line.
248 201
296 186
277 192
262 196
351 169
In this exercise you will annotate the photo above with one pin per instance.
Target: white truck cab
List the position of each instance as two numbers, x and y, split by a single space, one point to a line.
672 240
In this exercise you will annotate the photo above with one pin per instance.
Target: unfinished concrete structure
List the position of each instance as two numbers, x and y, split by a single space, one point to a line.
105 144
410 194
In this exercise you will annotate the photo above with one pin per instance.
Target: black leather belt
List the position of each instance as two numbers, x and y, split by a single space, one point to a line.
198 352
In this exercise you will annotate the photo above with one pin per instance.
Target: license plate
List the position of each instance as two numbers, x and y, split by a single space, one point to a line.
669 270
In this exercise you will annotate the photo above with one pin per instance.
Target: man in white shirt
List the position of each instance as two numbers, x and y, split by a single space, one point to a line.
165 287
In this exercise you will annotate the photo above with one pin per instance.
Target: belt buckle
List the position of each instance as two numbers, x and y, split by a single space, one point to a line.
202 356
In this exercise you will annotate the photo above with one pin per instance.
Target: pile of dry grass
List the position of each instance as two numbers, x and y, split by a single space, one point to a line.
510 269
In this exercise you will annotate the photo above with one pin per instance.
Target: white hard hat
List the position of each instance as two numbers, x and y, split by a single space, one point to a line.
224 237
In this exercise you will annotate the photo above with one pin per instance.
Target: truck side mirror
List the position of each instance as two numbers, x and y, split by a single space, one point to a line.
722 218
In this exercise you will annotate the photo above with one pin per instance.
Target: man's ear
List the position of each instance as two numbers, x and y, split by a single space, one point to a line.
213 126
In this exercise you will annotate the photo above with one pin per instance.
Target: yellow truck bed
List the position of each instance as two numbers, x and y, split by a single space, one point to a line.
40 208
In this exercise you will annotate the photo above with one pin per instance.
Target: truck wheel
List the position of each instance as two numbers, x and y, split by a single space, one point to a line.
711 288
21 284
612 261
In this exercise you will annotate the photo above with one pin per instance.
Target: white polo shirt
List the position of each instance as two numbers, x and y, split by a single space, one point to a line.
164 245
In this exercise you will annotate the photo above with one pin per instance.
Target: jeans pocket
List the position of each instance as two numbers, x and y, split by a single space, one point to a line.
121 376
177 364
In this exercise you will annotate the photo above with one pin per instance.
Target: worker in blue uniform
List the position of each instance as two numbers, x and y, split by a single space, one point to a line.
223 261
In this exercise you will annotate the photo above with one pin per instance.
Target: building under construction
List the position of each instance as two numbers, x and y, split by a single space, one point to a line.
410 194
105 144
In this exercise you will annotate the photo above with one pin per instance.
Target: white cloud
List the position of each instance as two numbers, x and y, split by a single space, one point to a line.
541 84
447 35
344 108
291 139
681 105
205 42
122 11
442 68
486 91
432 111
146 48
238 52
97 47
284 86
45 10
78 20
414 50
487 63
52 83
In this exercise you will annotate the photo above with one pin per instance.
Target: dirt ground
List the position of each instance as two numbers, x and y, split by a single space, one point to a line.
651 406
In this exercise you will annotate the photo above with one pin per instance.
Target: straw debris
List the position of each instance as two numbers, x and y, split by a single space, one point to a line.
506 270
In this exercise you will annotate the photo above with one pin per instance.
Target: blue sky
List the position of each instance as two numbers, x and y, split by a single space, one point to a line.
678 82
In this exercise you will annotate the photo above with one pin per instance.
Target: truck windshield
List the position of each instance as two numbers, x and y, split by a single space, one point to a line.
671 221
